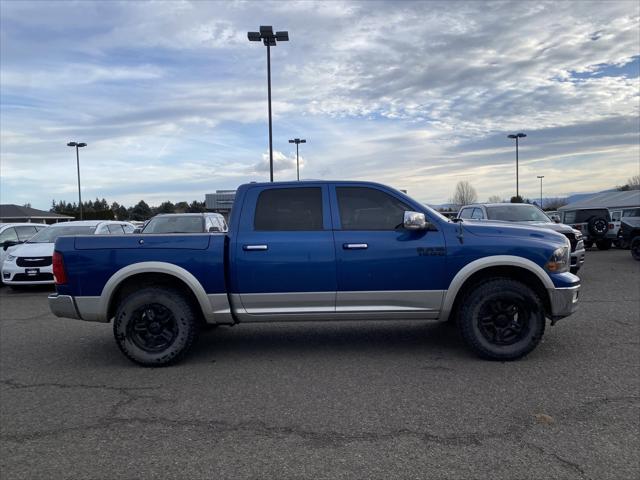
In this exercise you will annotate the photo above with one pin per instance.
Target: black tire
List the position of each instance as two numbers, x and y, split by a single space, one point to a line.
506 303
603 244
635 248
588 243
598 226
155 326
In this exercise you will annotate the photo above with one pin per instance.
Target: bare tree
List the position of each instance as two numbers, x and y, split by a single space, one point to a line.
495 199
464 194
633 183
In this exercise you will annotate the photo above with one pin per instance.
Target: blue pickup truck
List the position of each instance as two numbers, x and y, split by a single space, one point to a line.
319 251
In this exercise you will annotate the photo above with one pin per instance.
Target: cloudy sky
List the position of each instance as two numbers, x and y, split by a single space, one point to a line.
171 96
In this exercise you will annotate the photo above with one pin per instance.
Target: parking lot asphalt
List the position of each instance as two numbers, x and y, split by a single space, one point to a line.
328 400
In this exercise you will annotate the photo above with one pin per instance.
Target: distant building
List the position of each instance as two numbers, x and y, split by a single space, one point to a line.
610 200
220 202
10 213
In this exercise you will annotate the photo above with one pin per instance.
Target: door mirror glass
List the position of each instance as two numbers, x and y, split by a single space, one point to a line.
8 243
415 221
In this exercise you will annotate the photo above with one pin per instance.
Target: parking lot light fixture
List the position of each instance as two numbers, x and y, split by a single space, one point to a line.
540 177
77 146
269 39
298 141
517 136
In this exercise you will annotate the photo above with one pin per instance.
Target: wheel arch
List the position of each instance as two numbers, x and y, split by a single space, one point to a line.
506 266
164 273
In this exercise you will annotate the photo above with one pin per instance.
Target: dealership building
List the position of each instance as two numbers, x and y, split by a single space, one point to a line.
220 202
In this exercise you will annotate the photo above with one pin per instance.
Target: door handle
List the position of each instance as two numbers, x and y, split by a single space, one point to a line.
254 247
355 246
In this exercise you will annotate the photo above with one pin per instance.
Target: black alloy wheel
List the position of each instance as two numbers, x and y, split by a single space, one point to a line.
504 321
153 328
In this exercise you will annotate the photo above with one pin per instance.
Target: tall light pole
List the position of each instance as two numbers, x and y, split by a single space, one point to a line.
269 39
540 177
517 136
298 141
78 145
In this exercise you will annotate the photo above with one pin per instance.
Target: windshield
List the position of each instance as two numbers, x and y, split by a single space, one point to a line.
49 235
517 213
187 224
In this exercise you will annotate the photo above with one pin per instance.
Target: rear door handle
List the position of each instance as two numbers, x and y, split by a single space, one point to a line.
255 247
355 246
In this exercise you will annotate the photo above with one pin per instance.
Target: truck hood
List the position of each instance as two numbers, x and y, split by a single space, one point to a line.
496 228
33 250
556 227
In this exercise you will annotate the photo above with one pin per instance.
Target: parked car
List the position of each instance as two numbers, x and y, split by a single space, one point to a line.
12 234
616 217
530 215
31 262
594 224
186 223
629 234
320 251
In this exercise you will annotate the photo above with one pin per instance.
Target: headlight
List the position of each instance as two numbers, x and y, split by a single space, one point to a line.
10 258
560 260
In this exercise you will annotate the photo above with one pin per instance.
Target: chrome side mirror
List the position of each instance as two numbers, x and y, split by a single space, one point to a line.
415 221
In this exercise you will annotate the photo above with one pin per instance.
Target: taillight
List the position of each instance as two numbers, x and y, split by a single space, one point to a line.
611 226
59 273
577 227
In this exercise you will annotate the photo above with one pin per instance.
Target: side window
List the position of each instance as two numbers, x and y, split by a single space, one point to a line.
465 213
289 209
363 208
9 235
477 214
25 233
569 217
115 229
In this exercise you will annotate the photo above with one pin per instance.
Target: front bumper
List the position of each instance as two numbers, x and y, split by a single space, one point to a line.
12 274
577 258
63 306
563 301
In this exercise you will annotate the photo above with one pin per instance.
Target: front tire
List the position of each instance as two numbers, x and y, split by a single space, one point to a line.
155 326
502 319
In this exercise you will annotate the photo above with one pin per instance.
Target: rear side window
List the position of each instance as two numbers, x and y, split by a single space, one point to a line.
363 208
25 233
289 209
115 229
583 216
466 213
631 212
569 217
477 214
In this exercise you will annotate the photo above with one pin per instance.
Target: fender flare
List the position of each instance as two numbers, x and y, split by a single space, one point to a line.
487 262
153 267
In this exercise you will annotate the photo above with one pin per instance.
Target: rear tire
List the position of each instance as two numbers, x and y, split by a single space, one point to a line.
635 248
155 326
502 319
603 244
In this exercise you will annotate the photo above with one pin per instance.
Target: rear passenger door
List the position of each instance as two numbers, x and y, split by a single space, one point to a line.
283 256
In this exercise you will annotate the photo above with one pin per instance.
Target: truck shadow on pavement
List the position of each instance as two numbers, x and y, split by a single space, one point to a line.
289 339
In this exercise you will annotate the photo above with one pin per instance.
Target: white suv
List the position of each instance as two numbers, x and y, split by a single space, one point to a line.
31 262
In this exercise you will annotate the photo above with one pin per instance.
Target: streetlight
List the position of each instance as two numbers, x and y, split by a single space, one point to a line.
298 141
269 39
78 145
517 136
540 177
